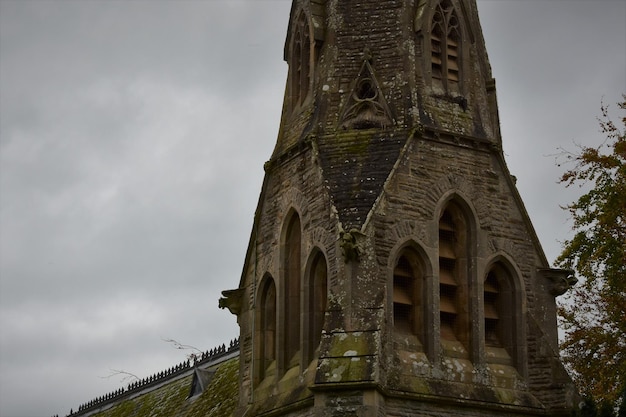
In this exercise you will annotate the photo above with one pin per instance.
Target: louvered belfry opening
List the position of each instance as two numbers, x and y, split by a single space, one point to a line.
448 274
405 301
445 43
501 315
492 310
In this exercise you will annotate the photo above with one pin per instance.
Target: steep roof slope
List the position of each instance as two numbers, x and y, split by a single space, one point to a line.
171 399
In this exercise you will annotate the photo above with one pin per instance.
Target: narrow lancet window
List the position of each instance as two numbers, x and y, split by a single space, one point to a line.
453 275
300 66
492 306
445 39
407 302
291 272
267 327
448 270
318 287
500 310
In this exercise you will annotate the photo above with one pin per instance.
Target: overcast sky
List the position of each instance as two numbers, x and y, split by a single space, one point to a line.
132 141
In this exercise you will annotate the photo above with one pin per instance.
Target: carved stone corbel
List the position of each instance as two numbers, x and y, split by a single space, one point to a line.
562 280
232 300
349 245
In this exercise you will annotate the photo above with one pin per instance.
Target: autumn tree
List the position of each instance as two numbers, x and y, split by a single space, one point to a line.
593 316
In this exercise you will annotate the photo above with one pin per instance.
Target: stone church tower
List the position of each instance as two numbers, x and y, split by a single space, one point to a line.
392 269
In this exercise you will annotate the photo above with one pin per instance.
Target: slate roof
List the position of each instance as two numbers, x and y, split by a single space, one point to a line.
207 387
355 167
171 399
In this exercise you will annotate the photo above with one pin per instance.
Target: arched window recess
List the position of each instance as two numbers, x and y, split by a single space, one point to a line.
411 300
456 237
300 61
316 302
291 279
408 301
446 48
503 316
266 330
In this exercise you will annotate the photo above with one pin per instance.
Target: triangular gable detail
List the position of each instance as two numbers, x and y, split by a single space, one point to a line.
366 106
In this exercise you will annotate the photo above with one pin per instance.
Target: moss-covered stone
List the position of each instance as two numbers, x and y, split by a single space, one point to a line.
346 369
350 344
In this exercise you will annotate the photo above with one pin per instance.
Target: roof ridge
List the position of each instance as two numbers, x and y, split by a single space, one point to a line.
213 356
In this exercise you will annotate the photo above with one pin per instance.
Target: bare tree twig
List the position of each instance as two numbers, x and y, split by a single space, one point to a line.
126 376
197 353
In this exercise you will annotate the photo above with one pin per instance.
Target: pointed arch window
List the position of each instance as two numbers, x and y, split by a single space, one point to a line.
300 65
318 298
267 328
453 276
492 301
500 311
445 46
291 272
407 294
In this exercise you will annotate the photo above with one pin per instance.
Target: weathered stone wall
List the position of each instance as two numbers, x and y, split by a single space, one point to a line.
394 38
400 407
293 183
358 346
374 186
354 27
430 172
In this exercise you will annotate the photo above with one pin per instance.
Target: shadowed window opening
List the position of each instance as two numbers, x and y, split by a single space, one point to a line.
292 260
365 90
407 294
267 327
404 296
500 309
448 285
445 42
318 287
454 244
492 308
300 76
